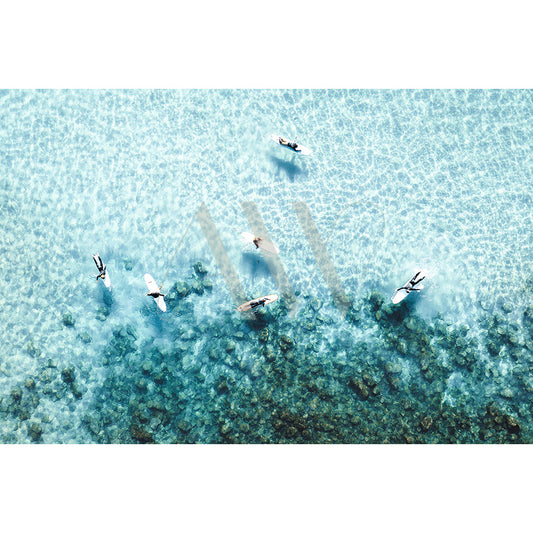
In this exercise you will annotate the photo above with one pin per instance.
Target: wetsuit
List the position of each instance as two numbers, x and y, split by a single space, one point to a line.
293 146
155 294
412 282
100 265
259 302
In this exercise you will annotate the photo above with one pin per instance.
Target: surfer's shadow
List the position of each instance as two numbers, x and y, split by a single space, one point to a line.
289 168
254 265
154 317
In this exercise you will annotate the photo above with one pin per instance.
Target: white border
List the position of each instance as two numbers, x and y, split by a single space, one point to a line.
289 44
266 488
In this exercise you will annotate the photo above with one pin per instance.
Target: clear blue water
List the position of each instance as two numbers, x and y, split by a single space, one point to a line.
397 180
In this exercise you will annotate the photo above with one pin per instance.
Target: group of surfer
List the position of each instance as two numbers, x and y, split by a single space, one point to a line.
259 242
401 292
155 292
293 144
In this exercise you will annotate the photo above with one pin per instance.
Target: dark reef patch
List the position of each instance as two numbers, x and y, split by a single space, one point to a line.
301 387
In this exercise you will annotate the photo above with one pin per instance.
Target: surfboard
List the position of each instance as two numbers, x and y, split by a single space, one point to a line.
246 306
401 294
264 245
302 150
152 287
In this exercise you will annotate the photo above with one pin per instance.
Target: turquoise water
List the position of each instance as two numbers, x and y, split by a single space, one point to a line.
397 180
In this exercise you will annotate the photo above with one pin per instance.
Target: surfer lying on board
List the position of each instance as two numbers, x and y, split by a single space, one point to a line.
411 284
155 294
293 144
101 266
256 302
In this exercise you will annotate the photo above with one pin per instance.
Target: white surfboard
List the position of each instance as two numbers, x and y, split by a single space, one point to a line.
302 150
263 244
257 302
401 294
152 287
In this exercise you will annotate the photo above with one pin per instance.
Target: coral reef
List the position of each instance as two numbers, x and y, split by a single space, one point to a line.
276 379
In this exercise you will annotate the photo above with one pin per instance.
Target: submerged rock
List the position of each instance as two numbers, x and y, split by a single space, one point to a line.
426 423
528 315
16 394
68 319
76 390
512 424
140 434
32 349
197 287
375 301
141 384
68 375
285 343
264 335
182 289
360 388
84 337
102 313
507 393
200 269
147 368
507 307
184 426
23 414
222 385
230 346
35 431
393 368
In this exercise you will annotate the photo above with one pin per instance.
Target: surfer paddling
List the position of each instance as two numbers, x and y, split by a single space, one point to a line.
259 242
101 266
155 292
412 285
257 302
413 282
293 144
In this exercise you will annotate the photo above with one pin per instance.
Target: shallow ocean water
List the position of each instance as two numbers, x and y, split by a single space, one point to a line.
397 180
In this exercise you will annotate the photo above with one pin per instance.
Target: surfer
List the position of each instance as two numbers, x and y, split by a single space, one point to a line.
257 303
293 144
411 284
101 266
155 294
262 301
257 241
